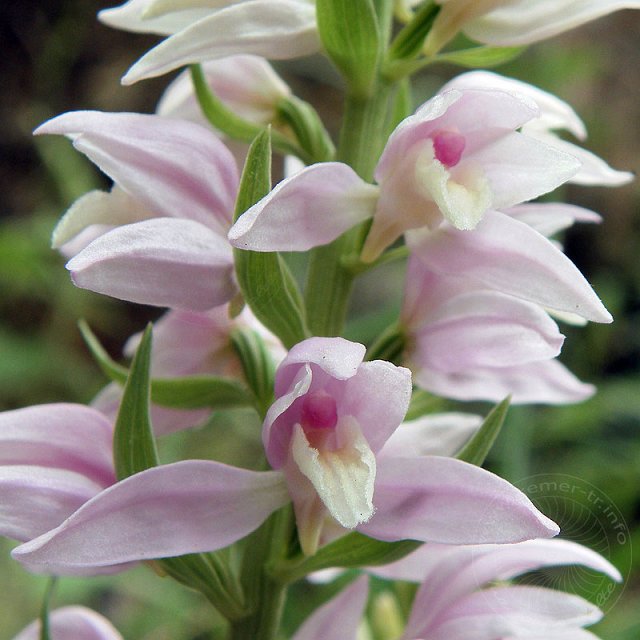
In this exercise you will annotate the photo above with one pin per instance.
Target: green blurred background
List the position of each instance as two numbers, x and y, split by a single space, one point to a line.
57 57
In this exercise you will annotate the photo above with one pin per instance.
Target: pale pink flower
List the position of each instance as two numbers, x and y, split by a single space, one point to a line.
175 189
73 623
457 157
468 340
555 114
456 602
187 343
247 85
201 31
325 435
515 22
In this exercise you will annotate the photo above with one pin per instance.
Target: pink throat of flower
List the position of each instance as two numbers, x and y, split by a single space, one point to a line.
319 411
448 147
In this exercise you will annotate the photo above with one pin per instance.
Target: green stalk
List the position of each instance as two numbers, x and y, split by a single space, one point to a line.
330 280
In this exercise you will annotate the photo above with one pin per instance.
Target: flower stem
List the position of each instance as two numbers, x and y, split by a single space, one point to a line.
329 280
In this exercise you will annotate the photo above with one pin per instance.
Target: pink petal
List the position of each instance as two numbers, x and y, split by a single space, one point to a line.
174 167
513 612
131 17
548 218
445 500
438 434
339 618
163 262
546 381
73 623
522 22
377 396
35 499
509 256
310 209
61 436
186 507
275 29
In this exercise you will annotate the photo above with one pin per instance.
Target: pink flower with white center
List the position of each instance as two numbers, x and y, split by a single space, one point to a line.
456 601
187 343
457 157
555 114
202 30
172 204
73 623
514 22
469 341
248 85
325 435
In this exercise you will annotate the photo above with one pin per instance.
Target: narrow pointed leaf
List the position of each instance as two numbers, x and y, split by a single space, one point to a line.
134 448
264 278
481 57
188 392
351 36
476 450
408 43
351 551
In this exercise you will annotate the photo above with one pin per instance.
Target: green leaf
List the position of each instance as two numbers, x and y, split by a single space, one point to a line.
480 57
476 450
187 392
45 628
389 345
408 43
306 125
351 37
264 278
134 448
349 552
422 402
233 125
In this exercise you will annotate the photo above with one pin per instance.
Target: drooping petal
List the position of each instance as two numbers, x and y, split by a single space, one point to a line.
173 167
310 209
35 499
185 507
441 434
130 16
106 209
549 218
73 623
339 618
489 329
445 500
523 22
509 256
164 262
514 612
545 381
61 436
274 29
368 395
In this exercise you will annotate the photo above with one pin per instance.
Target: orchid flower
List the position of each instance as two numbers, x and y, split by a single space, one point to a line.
514 22
455 159
503 344
172 203
203 30
247 85
189 343
73 623
555 114
325 437
456 601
